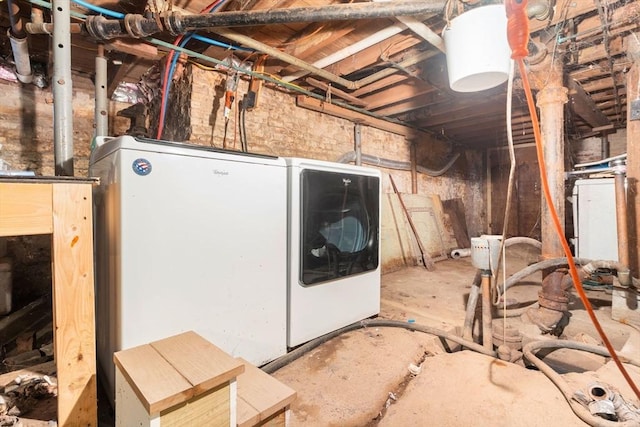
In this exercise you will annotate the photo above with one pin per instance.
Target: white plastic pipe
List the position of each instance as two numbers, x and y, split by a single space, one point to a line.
460 253
359 46
20 49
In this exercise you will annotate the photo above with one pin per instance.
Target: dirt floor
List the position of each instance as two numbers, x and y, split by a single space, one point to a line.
382 376
363 378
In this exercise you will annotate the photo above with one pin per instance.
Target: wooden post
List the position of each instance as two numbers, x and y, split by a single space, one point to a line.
73 304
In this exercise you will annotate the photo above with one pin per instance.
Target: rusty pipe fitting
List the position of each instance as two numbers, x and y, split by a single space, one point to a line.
553 301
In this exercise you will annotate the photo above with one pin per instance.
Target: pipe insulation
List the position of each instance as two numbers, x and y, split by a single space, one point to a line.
396 164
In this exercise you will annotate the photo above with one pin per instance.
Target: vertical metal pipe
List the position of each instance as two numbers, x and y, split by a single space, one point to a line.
487 330
357 134
621 212
633 151
414 169
604 146
62 89
551 100
101 116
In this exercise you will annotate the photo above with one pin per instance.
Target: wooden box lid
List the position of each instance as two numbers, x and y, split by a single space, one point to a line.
260 395
170 371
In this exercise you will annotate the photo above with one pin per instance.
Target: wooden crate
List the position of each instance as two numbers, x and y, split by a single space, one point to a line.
62 207
262 399
183 380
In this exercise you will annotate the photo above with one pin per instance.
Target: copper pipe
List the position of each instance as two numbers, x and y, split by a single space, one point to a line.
621 212
487 329
17 28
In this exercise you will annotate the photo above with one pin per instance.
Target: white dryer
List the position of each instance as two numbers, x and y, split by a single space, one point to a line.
334 247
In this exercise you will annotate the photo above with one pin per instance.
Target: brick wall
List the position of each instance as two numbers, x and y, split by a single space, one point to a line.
278 127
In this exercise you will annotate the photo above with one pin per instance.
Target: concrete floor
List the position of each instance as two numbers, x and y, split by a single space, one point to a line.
362 378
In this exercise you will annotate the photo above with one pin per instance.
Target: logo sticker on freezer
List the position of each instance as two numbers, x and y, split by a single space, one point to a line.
141 167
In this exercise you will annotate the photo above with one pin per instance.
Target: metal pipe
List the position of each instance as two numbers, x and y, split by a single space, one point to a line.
620 173
19 45
179 24
134 25
604 146
358 143
17 29
398 165
487 330
62 89
414 169
551 100
553 303
101 114
254 44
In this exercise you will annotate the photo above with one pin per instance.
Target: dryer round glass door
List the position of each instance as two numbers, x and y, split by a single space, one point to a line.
339 225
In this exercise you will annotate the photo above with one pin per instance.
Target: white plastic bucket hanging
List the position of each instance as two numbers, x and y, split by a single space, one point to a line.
477 50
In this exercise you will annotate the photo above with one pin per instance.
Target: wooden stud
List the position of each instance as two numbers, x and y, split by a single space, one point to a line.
73 304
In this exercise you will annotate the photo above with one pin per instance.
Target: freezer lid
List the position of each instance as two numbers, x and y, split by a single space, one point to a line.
302 163
105 146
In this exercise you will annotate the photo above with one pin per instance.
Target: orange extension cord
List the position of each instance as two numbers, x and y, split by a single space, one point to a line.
518 36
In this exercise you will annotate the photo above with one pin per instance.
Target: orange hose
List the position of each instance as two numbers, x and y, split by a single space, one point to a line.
558 229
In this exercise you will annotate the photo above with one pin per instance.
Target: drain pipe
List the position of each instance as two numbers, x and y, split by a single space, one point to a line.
134 25
620 172
101 116
397 165
414 168
19 45
358 143
62 89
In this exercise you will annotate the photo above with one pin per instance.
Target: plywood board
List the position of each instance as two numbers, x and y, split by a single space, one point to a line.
25 209
204 365
262 392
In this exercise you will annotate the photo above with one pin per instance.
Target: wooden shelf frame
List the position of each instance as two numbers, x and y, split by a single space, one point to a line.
63 209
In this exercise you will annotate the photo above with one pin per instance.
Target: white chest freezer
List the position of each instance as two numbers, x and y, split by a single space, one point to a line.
189 238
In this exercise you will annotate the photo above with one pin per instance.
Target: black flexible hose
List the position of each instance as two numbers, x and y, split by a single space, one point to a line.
578 409
271 367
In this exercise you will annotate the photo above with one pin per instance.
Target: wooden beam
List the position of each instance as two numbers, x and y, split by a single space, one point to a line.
356 117
336 92
380 84
411 104
73 304
398 93
582 104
